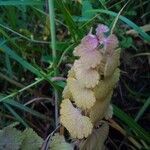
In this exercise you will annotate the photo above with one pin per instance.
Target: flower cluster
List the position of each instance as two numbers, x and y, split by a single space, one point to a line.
90 82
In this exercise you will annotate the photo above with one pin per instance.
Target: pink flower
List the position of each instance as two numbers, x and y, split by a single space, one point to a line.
101 29
90 41
110 44
88 44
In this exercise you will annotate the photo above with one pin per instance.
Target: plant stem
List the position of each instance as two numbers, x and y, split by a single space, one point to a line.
142 110
21 90
53 45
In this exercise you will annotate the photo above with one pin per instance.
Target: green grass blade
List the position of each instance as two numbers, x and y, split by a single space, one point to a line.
18 118
63 54
54 54
85 17
20 2
86 6
9 38
52 29
143 34
21 90
131 124
8 66
117 17
21 35
69 20
16 57
25 108
103 4
133 92
142 110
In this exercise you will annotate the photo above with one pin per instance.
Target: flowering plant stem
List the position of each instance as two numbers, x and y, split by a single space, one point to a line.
53 45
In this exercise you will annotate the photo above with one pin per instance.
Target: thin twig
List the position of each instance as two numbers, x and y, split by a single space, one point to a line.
37 99
45 145
58 79
11 81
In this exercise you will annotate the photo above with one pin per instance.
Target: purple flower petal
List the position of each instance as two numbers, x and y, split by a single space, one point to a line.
101 29
110 43
90 41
